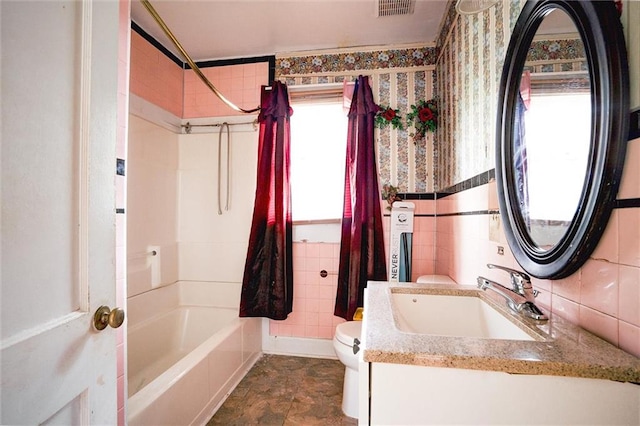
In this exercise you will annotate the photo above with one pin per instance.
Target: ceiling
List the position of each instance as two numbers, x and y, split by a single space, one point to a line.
226 29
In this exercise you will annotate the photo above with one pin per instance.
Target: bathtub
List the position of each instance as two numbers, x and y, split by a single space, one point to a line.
187 350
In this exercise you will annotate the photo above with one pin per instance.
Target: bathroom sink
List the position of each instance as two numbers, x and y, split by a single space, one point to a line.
446 315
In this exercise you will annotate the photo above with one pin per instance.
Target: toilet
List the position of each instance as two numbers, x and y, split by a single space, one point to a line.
343 344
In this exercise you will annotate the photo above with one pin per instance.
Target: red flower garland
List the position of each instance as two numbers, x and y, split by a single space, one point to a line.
387 115
424 117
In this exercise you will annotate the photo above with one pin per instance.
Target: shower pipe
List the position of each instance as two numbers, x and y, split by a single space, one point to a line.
228 177
190 61
188 127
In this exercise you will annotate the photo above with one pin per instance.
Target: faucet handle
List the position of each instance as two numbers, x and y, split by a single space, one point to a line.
517 277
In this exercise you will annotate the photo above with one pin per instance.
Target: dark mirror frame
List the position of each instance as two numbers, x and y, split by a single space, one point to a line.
600 28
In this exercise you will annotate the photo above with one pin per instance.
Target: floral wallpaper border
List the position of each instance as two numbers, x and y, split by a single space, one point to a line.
556 50
354 61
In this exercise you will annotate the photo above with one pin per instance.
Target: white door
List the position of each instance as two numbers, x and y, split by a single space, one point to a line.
58 94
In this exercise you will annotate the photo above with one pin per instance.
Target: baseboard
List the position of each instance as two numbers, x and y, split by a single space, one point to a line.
296 346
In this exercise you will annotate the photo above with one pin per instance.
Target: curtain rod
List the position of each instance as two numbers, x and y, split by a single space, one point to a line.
190 61
187 127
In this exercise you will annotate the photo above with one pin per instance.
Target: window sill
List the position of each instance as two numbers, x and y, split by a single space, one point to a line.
317 231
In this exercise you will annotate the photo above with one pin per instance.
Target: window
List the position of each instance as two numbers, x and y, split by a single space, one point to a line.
318 148
554 182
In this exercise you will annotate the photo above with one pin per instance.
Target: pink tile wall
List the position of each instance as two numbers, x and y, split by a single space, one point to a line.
157 79
240 84
314 296
424 227
154 77
121 153
603 296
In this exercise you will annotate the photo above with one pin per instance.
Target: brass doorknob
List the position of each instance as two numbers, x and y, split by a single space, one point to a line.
105 316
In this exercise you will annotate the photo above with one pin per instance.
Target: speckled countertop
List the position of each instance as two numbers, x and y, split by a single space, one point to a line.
560 348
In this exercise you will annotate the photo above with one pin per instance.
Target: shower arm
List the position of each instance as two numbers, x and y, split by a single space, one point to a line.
190 61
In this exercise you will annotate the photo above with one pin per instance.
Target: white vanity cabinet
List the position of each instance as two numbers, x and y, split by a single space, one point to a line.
563 375
415 395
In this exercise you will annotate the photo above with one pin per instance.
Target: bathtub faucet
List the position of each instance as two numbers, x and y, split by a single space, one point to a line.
520 298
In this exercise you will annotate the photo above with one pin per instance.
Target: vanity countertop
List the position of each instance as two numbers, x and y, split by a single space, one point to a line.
560 348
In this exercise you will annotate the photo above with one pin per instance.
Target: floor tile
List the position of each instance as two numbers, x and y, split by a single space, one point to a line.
286 390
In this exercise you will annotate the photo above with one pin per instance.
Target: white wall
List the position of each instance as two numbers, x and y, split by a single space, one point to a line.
151 206
213 247
172 205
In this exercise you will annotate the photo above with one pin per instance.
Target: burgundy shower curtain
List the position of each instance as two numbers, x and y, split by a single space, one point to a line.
362 245
267 285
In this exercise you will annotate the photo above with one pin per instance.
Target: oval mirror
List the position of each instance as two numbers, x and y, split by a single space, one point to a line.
562 127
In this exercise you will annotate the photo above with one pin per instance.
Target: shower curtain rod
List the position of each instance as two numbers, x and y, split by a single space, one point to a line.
190 61
189 126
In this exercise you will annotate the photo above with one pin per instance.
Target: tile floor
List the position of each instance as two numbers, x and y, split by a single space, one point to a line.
286 390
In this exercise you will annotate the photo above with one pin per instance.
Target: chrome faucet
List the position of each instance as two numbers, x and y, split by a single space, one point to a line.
520 282
520 297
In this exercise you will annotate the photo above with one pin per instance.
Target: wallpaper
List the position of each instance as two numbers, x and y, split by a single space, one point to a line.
399 77
471 51
350 61
462 72
556 55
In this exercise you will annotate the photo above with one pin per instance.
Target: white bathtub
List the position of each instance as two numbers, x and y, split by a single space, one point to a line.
187 349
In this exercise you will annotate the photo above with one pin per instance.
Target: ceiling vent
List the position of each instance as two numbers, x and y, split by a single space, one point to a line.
394 7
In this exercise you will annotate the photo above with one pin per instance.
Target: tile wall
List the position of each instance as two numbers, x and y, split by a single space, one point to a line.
159 80
152 206
603 296
155 77
239 83
314 296
424 239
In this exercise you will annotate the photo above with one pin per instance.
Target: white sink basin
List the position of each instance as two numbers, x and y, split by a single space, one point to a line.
460 316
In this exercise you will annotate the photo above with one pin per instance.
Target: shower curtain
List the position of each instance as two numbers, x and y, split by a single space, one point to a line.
267 285
362 245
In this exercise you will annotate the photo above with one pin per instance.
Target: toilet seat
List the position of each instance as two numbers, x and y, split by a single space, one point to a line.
348 331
